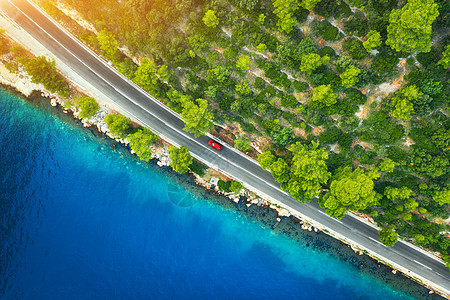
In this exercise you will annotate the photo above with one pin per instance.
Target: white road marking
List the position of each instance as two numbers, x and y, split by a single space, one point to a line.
376 241
324 213
422 264
137 104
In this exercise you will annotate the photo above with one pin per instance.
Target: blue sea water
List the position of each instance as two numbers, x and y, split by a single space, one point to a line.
80 220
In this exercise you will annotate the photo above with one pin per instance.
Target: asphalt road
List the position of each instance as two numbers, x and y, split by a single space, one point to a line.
150 112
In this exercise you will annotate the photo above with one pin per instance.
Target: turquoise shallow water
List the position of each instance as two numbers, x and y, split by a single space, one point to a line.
80 220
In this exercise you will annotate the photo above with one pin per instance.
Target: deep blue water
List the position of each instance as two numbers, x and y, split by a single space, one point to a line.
81 221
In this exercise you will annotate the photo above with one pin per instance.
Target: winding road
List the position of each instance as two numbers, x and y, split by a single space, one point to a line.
148 111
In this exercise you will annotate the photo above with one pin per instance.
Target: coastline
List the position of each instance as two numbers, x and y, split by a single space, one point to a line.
276 215
266 215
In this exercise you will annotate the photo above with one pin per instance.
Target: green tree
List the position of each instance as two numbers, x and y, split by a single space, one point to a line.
402 102
219 73
243 88
140 143
236 187
409 28
210 19
308 171
445 60
388 236
44 71
350 76
242 144
243 63
88 107
312 61
285 10
387 165
402 193
280 170
197 117
427 164
109 45
323 96
309 4
442 197
261 48
266 159
349 190
373 40
118 125
180 159
150 77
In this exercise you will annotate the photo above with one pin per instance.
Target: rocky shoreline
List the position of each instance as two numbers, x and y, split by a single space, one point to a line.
258 210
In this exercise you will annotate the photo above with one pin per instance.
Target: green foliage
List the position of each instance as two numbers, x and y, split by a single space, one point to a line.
198 168
445 60
243 88
401 103
140 142
323 96
243 63
356 24
283 137
210 19
280 170
197 117
88 107
285 10
198 42
409 29
242 144
442 197
127 67
327 31
266 159
43 71
235 187
109 45
335 135
308 172
380 129
118 125
180 159
150 77
387 165
397 193
219 74
349 190
300 86
355 47
312 61
305 46
388 236
373 40
350 76
426 164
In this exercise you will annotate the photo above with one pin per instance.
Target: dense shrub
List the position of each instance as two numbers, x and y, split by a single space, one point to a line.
332 8
380 129
300 86
384 63
327 50
356 24
355 47
355 96
260 83
88 107
327 31
289 101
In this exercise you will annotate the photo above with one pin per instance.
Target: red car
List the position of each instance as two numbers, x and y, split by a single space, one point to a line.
215 145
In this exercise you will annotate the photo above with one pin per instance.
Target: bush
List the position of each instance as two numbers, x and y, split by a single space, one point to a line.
327 31
356 24
230 53
260 84
88 107
198 168
300 86
355 96
289 101
224 186
384 63
355 47
118 125
332 8
327 50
